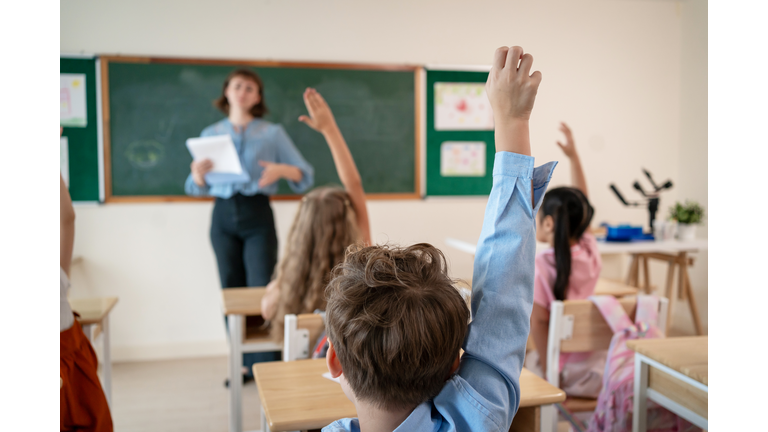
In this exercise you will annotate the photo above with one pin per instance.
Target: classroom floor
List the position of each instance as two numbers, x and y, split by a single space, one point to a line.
177 395
188 395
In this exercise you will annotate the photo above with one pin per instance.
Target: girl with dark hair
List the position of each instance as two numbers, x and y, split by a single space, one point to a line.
567 271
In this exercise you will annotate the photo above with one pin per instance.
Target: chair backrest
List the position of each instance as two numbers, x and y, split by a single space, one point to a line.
578 326
301 332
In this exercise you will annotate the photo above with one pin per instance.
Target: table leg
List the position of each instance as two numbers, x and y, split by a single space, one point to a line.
264 424
692 301
235 373
88 331
633 270
548 415
669 293
682 264
639 412
646 276
107 359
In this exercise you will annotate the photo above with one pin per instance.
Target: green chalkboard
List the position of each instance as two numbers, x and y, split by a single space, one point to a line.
437 184
154 106
83 142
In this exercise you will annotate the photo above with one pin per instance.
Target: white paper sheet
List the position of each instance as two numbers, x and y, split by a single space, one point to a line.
73 108
328 375
462 106
220 150
64 159
462 159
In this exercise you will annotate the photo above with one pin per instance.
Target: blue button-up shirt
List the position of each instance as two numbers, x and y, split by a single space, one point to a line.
485 394
260 140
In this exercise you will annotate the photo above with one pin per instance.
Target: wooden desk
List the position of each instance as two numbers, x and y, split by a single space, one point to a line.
237 304
94 318
295 396
673 373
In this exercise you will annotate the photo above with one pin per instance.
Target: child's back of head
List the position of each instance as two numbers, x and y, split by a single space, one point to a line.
323 229
396 323
571 213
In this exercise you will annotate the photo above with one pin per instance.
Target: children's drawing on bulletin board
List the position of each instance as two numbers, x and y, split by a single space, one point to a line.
73 111
462 106
462 159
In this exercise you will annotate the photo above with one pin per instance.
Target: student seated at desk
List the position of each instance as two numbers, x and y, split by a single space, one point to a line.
82 403
568 270
329 219
396 323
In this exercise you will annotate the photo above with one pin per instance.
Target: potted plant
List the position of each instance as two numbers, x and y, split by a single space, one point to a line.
687 215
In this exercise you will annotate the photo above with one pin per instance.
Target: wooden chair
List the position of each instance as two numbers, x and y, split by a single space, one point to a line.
578 326
604 287
301 333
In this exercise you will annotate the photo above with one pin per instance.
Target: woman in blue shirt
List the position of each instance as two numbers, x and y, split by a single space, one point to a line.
242 226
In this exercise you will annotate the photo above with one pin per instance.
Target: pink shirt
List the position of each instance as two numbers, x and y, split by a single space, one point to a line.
585 270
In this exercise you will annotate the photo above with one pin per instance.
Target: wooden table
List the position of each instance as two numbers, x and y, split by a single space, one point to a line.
94 318
673 252
673 373
295 396
237 304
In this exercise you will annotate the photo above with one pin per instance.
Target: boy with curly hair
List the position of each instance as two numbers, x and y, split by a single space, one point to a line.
396 323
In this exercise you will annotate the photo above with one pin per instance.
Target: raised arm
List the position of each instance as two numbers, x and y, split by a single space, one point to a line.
502 291
67 227
321 119
569 148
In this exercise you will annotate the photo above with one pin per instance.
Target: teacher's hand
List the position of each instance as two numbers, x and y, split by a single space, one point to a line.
273 172
199 170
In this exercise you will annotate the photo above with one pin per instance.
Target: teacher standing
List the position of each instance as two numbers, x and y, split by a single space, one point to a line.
242 227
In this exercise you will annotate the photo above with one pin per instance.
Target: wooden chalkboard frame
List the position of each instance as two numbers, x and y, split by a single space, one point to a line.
105 117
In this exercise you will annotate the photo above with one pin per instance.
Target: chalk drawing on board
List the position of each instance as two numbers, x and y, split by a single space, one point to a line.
462 159
64 159
145 154
73 109
462 106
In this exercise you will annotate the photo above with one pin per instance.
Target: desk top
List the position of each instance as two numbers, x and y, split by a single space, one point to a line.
92 310
666 246
687 355
242 301
296 396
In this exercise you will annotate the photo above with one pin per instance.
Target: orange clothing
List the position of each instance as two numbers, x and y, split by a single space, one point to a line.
83 404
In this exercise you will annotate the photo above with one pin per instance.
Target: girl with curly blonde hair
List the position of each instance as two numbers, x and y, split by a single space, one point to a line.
329 219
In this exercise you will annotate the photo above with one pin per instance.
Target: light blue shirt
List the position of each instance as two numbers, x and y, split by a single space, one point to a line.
260 140
485 394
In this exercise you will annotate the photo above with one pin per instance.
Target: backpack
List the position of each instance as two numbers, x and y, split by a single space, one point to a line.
615 402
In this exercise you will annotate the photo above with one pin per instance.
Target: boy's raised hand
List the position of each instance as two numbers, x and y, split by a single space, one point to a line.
512 88
320 116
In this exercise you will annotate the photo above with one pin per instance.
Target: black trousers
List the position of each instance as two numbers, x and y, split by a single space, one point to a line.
245 243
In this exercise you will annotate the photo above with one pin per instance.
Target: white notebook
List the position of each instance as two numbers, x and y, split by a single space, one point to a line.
221 151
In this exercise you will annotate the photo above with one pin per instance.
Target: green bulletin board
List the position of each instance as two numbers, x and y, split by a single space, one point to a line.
82 132
444 182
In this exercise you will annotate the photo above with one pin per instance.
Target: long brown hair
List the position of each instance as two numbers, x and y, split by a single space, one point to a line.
325 225
259 110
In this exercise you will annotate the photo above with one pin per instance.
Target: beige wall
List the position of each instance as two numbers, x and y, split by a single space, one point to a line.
612 70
